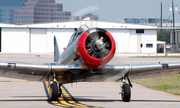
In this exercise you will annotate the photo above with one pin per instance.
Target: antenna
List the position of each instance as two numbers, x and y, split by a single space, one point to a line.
161 18
173 20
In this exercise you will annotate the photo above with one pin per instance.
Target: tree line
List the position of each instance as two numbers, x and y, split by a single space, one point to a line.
165 36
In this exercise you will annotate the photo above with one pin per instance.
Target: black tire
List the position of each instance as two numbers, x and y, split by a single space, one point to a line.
54 92
126 93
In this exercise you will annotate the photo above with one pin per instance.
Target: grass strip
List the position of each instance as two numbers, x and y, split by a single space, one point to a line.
169 84
154 57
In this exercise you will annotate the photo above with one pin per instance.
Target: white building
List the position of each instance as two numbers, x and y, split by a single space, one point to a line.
38 38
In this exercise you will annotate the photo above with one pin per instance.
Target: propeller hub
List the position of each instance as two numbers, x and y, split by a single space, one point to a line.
99 43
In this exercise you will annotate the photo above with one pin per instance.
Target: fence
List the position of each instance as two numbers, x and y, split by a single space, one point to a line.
173 49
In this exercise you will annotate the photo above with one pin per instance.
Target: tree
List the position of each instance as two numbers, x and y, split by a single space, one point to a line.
160 37
164 37
166 34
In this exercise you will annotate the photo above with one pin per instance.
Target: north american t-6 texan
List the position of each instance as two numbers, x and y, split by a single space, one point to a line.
85 60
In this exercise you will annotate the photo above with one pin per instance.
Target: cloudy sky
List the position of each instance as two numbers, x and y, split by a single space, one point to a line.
117 10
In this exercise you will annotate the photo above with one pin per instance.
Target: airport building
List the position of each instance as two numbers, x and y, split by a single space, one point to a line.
38 38
148 21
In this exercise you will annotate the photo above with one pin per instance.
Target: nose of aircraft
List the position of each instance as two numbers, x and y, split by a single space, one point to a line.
96 47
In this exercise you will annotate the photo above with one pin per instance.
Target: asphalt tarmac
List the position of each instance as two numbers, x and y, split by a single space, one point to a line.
16 93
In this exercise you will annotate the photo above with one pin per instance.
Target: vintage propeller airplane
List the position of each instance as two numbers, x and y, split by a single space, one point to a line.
85 59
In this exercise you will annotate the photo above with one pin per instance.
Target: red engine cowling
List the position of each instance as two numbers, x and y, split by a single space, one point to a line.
95 47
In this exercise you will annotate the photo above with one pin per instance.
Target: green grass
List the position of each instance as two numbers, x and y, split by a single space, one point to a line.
169 84
155 57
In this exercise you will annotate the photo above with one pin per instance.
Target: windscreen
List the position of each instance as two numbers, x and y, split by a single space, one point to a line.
83 28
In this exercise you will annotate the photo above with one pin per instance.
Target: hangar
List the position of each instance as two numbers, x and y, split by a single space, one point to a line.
38 38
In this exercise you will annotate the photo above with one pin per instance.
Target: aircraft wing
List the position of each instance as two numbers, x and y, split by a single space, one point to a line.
35 72
154 70
139 71
39 72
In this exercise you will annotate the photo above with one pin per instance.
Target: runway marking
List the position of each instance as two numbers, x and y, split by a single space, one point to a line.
66 100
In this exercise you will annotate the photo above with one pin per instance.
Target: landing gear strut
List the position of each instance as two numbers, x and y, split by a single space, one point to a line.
125 90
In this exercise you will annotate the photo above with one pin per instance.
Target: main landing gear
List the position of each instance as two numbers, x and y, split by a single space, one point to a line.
125 90
55 89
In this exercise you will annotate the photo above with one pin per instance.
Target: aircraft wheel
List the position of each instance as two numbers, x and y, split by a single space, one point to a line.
54 92
126 93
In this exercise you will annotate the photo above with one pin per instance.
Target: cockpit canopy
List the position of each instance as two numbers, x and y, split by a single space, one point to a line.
78 32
